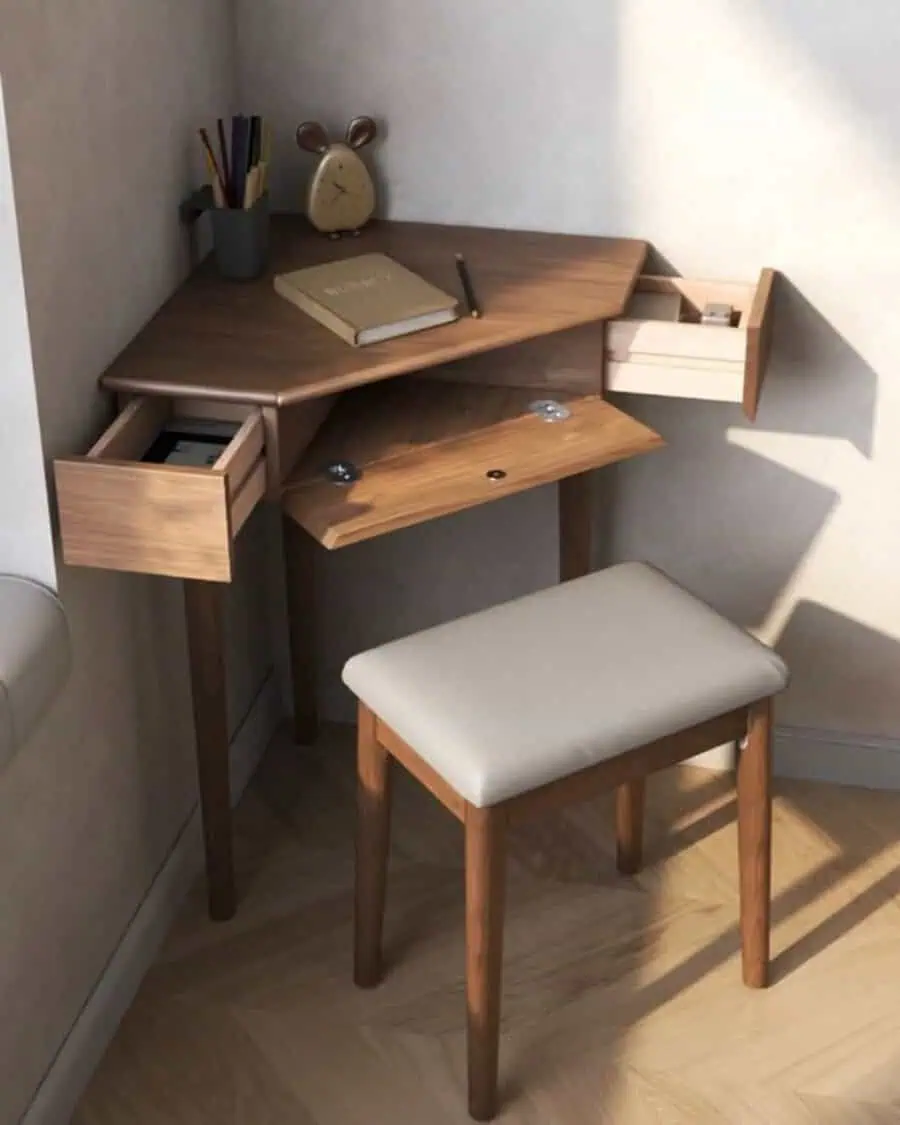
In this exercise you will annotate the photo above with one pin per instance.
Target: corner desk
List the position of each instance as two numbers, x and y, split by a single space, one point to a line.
435 422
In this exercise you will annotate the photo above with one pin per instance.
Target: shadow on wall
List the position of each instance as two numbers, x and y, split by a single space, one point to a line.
728 522
817 383
835 658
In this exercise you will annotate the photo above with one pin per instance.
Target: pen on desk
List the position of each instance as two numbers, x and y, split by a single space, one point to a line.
466 281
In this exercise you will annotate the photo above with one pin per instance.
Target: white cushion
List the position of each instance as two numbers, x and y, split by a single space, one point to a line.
503 701
35 658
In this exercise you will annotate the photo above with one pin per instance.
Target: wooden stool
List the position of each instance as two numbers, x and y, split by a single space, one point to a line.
528 706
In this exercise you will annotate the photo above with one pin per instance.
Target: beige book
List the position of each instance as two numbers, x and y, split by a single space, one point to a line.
368 298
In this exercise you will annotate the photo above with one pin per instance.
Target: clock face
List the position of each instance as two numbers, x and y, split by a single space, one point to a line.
341 195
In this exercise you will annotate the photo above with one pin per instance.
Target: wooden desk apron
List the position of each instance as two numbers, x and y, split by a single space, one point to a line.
457 431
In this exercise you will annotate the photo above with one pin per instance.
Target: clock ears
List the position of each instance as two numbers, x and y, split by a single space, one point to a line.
312 137
361 131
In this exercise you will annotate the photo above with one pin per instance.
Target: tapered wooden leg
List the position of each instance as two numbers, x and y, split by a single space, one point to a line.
630 826
299 564
206 650
754 795
575 526
485 887
373 828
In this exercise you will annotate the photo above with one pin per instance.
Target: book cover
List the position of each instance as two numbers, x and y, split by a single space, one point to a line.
368 298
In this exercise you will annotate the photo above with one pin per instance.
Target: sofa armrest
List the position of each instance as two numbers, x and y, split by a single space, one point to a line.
35 658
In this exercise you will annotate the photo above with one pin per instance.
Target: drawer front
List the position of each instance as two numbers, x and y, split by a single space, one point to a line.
118 512
674 378
151 520
660 347
426 449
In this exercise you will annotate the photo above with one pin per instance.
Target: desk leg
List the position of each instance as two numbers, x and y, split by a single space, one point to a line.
206 649
300 578
575 526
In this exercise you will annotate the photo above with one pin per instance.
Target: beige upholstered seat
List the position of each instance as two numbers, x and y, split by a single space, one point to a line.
507 700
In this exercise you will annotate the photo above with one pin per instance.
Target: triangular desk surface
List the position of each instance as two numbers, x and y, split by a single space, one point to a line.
242 342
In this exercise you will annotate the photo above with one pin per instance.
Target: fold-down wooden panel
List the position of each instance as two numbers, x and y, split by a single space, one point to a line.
426 449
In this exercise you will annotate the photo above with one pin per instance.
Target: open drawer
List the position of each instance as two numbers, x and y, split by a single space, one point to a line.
660 346
421 449
121 512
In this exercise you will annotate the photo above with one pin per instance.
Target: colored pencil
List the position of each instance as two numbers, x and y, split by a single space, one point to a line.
265 157
223 148
240 156
215 174
255 140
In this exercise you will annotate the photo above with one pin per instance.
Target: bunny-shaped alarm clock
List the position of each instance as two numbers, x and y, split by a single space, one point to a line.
341 195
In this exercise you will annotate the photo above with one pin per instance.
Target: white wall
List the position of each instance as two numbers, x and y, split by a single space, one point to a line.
733 134
102 99
26 545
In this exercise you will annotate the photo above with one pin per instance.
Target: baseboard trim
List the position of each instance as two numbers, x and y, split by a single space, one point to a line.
83 1048
863 760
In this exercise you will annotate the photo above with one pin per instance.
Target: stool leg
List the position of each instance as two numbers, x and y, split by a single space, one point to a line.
754 796
373 826
630 826
485 892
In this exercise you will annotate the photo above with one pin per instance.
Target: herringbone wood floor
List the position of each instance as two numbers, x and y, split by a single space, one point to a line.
622 1001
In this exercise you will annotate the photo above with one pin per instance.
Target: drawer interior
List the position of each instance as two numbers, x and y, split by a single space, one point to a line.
661 345
682 299
163 492
422 449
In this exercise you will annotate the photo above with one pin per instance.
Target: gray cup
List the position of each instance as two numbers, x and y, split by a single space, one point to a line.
241 240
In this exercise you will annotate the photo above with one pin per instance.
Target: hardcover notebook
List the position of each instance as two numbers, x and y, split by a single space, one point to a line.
367 299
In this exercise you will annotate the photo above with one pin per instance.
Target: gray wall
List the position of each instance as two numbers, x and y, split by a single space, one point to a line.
102 97
733 134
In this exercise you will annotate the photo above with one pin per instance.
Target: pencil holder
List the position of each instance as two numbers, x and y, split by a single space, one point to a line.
241 240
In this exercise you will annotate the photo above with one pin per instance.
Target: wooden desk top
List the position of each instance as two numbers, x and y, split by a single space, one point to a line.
241 342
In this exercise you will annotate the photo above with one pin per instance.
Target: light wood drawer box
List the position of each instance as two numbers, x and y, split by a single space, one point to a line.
120 513
650 352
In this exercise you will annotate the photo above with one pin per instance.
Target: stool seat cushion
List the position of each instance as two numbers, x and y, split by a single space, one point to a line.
504 701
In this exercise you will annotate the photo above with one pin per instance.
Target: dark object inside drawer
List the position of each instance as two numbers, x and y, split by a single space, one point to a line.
199 444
